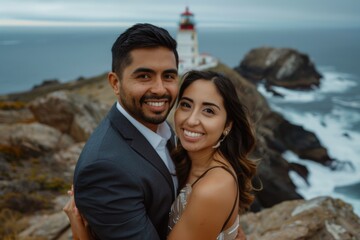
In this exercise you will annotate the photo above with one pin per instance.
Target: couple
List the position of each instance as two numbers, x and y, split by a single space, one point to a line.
125 183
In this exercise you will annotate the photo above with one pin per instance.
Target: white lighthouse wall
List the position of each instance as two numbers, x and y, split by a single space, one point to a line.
188 48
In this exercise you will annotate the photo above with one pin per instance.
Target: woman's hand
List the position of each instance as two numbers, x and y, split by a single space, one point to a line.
241 235
78 224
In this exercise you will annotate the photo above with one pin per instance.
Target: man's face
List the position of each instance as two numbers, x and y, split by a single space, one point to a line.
149 85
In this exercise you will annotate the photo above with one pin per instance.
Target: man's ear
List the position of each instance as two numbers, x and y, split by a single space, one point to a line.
114 82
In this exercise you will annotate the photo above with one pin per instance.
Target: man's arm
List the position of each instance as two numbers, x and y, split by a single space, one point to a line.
111 200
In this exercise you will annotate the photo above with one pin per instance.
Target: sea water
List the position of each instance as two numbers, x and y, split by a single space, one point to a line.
31 55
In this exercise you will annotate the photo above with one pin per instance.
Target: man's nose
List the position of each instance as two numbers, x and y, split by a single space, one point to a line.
158 86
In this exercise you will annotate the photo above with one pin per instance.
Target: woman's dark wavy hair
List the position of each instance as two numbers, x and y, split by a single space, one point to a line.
237 145
140 35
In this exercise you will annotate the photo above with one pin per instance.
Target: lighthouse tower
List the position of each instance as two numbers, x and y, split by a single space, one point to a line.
187 42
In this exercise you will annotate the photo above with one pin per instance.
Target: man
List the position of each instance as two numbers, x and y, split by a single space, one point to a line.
124 181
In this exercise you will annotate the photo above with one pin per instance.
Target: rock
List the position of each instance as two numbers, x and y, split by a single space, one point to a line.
280 67
276 185
16 116
46 227
281 135
46 83
69 113
319 218
301 170
34 139
68 157
302 142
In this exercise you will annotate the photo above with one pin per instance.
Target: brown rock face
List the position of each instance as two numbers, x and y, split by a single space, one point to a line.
280 67
69 113
320 218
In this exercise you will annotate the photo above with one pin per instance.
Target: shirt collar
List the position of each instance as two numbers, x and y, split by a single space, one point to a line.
162 134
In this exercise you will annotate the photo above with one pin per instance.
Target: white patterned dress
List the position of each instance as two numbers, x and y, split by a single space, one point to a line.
179 205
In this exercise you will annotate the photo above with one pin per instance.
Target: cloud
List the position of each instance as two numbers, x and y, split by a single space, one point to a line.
207 12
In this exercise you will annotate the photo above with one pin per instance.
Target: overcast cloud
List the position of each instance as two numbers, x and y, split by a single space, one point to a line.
232 13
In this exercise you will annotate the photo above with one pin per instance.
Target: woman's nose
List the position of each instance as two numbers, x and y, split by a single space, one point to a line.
193 119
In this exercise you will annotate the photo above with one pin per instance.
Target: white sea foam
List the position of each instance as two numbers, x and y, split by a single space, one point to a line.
335 131
322 181
330 131
335 82
290 95
347 103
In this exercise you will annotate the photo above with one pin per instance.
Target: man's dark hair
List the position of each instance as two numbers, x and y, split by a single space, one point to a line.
141 35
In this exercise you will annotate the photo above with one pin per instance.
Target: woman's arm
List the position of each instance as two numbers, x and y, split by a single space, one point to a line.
208 207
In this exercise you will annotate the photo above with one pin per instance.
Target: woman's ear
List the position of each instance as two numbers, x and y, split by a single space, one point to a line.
114 82
228 128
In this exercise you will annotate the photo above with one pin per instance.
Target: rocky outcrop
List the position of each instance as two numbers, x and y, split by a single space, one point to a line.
69 113
40 142
46 227
39 149
288 136
319 218
34 139
279 67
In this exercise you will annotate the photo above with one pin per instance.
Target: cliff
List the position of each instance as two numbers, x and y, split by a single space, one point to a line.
43 131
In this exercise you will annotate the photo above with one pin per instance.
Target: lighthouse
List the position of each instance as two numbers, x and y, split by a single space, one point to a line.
188 48
187 41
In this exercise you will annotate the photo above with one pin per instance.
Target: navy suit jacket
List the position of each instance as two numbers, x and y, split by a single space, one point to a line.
121 185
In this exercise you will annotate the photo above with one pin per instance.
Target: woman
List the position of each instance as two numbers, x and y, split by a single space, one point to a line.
212 164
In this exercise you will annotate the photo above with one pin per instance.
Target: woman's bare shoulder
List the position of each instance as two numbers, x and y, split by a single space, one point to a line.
216 186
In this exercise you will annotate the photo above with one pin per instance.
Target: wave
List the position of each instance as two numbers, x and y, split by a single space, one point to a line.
332 82
323 181
336 82
347 103
290 95
9 42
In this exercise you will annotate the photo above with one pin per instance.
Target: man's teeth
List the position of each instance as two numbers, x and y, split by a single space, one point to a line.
192 134
156 104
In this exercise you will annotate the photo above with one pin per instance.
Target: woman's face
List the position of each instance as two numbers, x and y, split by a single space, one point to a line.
200 117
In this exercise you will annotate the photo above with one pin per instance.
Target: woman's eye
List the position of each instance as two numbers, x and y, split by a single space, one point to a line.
209 111
185 105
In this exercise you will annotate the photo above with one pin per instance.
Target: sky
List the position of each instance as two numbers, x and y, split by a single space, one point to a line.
208 13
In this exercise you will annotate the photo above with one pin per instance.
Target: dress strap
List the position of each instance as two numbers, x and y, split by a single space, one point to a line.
226 168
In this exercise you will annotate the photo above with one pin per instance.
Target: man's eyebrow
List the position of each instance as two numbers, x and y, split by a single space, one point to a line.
204 103
149 70
173 70
139 70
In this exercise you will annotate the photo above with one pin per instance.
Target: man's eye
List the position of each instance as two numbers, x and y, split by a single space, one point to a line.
144 76
170 76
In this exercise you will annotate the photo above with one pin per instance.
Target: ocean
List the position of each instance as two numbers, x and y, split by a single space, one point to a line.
30 55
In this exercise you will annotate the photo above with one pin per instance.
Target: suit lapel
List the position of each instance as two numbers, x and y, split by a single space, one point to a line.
139 143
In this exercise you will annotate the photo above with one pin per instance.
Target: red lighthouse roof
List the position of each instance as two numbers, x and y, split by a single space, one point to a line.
187 20
187 12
